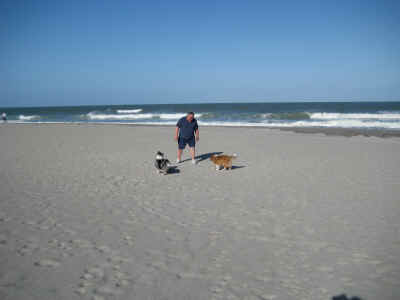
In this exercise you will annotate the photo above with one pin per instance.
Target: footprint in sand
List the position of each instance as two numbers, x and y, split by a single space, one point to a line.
4 218
28 247
128 240
82 244
105 280
49 263
66 250
103 249
69 231
3 240
117 260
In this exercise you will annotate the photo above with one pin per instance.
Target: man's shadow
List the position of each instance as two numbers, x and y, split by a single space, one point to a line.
204 156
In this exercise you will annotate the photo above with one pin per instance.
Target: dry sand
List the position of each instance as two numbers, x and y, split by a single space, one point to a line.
83 215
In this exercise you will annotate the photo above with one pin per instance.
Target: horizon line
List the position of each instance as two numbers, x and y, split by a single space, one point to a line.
204 103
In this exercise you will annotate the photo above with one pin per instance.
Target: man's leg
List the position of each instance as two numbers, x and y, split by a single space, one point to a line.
179 155
192 152
181 146
192 144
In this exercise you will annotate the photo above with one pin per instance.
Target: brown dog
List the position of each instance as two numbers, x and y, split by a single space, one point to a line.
223 160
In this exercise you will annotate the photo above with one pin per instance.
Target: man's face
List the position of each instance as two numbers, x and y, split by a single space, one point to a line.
190 118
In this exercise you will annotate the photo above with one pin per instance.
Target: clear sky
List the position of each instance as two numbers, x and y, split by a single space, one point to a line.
122 52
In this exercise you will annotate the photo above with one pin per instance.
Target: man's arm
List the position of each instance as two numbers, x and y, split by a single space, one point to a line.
197 134
176 133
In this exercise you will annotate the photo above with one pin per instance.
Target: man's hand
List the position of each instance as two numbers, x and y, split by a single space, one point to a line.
176 138
197 138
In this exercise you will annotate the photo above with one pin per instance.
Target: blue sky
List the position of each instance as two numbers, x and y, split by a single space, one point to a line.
122 52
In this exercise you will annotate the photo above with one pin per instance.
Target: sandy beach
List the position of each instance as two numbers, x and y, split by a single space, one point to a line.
83 215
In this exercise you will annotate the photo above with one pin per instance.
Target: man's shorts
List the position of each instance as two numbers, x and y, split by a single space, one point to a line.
182 142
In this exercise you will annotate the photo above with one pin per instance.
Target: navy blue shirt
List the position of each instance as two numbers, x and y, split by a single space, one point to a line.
186 128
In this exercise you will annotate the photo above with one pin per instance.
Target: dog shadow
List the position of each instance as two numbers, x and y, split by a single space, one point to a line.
344 297
173 170
204 156
237 167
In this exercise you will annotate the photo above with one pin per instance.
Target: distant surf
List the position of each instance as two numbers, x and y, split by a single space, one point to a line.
376 115
129 111
28 118
135 116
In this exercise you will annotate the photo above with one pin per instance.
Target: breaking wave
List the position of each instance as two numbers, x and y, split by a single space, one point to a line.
346 116
28 118
134 116
98 116
288 116
129 111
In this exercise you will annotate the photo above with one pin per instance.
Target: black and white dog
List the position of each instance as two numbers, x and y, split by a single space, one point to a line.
162 164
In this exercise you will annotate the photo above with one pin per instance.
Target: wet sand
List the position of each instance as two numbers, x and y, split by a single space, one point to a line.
83 215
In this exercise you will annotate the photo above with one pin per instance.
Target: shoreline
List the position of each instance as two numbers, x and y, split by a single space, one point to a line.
328 131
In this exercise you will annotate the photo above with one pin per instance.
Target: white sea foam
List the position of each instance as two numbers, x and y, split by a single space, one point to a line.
129 111
338 124
95 116
134 116
28 118
175 116
365 116
327 123
170 116
170 119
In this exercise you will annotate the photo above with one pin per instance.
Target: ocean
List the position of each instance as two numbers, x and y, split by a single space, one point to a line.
376 115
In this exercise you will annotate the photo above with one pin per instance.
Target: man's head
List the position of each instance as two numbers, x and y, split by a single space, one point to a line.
190 116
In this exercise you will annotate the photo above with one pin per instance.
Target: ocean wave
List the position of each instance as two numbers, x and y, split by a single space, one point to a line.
328 123
98 116
129 111
174 116
287 116
134 116
208 115
170 116
340 124
361 116
28 118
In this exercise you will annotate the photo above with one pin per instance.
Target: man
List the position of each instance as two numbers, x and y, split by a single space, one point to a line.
187 133
4 117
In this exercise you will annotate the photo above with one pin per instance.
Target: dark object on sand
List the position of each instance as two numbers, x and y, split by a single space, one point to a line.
344 297
162 164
